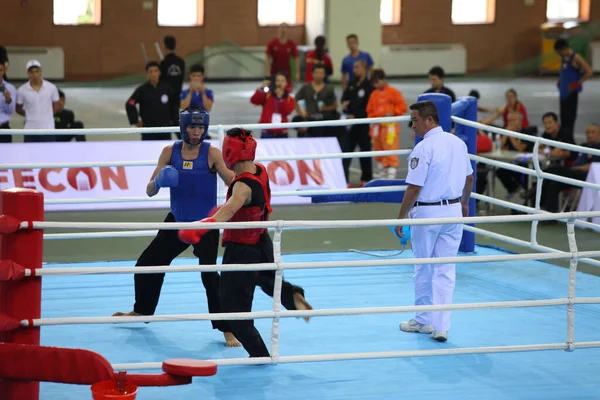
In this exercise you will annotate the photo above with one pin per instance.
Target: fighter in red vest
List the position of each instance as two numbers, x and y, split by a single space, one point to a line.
248 199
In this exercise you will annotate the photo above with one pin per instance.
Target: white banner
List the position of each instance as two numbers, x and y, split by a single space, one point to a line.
119 182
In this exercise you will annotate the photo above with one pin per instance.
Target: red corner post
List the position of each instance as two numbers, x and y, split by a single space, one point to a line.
21 299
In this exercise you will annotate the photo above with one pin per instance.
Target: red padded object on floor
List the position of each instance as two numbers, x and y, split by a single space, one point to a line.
53 364
186 367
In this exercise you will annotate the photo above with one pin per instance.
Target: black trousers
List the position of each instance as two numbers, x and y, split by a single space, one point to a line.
5 138
482 179
511 180
358 135
568 112
165 247
237 290
68 138
551 189
39 138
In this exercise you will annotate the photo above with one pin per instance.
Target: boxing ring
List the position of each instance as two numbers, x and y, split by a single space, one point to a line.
502 354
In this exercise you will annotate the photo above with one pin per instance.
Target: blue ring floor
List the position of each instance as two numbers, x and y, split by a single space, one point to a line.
529 375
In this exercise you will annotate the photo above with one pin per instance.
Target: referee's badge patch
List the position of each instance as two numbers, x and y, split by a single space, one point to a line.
414 162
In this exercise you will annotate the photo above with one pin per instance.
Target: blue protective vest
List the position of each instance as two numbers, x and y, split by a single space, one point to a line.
568 74
196 193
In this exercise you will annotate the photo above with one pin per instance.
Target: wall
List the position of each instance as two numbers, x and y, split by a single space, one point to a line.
360 17
314 20
514 36
113 49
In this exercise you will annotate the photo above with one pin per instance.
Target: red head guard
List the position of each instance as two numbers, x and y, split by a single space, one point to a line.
238 148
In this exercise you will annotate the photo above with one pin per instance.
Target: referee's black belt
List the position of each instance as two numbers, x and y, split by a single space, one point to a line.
438 203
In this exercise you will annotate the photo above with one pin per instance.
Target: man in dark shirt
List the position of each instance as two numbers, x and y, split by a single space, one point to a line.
553 131
158 104
354 102
172 67
316 101
579 170
436 77
513 181
65 119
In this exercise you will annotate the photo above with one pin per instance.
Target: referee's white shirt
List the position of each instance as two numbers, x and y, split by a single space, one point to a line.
439 164
39 113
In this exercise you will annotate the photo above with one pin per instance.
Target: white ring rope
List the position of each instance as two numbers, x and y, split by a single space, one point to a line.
212 128
333 312
371 355
309 223
152 163
303 265
526 137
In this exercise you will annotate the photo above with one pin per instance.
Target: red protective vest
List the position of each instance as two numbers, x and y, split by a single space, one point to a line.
250 213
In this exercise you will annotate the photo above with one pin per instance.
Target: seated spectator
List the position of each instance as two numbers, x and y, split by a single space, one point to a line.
65 119
579 170
512 105
316 101
514 182
484 145
553 131
276 104
318 56
436 77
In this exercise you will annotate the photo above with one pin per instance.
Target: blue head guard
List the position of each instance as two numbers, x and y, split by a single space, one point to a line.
193 117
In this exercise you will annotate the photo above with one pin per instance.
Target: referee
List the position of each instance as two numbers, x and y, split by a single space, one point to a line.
158 104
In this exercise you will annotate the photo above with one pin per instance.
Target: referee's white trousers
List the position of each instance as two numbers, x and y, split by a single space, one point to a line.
434 283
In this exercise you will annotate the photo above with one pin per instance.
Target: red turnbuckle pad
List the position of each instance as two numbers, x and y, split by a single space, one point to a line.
11 271
8 324
8 224
187 367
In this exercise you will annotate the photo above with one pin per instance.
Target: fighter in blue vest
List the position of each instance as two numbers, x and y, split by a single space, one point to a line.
574 70
189 169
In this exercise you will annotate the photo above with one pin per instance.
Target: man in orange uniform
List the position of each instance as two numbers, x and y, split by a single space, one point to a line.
385 101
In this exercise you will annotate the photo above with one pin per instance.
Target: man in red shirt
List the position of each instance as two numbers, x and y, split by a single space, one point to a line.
279 53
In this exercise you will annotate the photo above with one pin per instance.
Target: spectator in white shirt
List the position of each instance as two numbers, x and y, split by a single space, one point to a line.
8 96
37 101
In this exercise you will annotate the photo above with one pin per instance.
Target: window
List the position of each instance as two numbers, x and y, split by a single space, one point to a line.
567 10
473 12
275 12
76 12
180 12
389 13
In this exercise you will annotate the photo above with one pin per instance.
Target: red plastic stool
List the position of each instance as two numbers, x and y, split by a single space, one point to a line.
108 390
